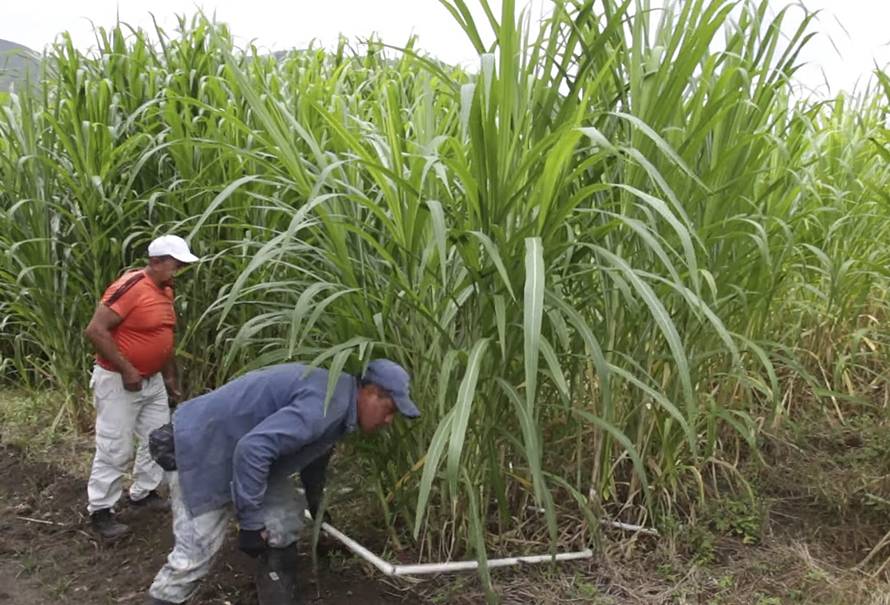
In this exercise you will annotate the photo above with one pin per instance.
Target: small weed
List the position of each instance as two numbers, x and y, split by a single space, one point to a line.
701 541
668 572
591 593
30 564
738 518
816 575
60 588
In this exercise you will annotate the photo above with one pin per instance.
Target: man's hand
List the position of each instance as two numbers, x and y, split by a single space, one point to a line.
171 382
174 394
132 379
252 541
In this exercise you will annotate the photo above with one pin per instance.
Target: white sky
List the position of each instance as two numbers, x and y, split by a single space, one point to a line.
844 57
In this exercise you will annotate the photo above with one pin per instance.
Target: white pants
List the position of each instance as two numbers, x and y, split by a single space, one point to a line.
198 539
121 414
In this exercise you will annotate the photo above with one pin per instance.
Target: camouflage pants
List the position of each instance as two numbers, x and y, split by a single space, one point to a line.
198 539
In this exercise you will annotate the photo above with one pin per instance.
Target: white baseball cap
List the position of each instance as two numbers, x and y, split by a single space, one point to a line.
172 245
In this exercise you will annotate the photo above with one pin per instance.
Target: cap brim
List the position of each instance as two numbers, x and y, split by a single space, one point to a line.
186 258
406 407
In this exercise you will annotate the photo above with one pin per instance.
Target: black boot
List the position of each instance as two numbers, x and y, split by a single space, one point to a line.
276 578
106 526
153 502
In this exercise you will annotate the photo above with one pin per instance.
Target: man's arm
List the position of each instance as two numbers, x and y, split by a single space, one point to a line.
98 331
171 380
286 431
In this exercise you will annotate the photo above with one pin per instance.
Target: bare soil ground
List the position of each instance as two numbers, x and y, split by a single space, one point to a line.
48 554
822 506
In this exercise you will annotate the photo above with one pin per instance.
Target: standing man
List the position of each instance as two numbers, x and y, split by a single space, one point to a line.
235 450
132 333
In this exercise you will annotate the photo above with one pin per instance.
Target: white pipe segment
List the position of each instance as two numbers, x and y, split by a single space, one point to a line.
616 524
422 568
389 569
385 566
629 527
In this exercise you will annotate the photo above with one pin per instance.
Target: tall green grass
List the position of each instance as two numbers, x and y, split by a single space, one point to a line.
608 256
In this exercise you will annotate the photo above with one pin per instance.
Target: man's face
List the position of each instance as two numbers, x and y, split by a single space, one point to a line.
166 267
375 407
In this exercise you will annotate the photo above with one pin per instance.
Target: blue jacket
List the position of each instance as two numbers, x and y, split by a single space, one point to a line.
228 441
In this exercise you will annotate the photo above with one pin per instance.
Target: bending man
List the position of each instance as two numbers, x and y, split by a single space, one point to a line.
235 449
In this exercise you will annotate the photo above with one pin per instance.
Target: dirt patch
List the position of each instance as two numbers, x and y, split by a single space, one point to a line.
17 590
823 504
49 555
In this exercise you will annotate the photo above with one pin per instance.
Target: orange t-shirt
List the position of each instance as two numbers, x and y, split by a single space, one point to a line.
145 336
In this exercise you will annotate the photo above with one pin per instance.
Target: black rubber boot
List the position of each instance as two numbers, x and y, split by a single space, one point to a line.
106 526
153 501
276 578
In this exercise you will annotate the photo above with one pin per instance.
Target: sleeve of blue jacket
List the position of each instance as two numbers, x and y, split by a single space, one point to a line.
284 432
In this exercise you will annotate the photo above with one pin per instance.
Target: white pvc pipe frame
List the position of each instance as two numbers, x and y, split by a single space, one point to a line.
425 568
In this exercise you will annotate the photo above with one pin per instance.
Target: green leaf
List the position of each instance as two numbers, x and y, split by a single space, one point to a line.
466 394
533 313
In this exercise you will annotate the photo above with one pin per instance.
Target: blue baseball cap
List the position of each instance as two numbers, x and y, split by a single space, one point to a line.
394 379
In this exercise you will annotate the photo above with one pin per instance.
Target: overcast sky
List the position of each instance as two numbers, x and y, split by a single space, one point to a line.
855 32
